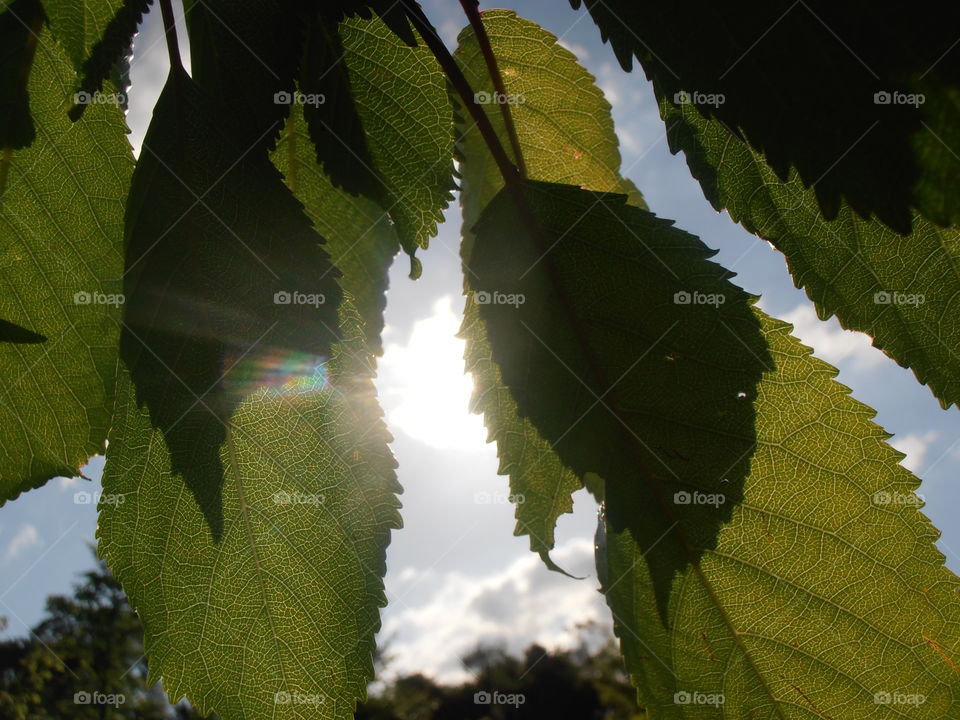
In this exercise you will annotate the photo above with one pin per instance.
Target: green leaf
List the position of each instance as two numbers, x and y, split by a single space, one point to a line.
109 55
862 100
744 488
901 290
228 286
329 109
80 24
565 130
277 617
61 240
400 94
360 238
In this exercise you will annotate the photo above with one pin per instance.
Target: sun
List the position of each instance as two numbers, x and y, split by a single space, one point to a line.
424 389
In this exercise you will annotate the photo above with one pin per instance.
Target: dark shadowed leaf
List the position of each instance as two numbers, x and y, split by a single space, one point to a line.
400 94
724 448
862 99
244 58
228 288
565 130
20 26
361 240
13 333
110 50
331 114
79 25
566 306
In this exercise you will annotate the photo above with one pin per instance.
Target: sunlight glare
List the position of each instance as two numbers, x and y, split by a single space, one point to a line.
424 389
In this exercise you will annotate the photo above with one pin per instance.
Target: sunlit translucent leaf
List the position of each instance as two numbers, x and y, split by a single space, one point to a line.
761 547
80 24
564 127
227 284
360 238
61 239
904 291
276 617
401 97
110 52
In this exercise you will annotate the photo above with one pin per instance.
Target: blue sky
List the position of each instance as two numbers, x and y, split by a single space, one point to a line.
456 574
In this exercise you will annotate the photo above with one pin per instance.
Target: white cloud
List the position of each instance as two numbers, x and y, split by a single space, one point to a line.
25 538
915 447
424 389
521 604
831 342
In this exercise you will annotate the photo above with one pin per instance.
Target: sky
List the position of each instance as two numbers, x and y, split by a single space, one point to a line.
457 576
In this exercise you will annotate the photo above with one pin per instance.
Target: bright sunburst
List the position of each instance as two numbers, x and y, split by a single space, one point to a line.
424 389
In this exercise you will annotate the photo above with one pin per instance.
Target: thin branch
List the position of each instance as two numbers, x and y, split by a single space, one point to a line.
473 15
511 176
170 31
515 186
462 86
